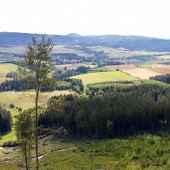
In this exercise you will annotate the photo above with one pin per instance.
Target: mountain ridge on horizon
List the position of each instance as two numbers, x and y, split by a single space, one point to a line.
131 42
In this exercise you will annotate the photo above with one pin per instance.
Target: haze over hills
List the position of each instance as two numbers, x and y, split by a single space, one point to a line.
114 41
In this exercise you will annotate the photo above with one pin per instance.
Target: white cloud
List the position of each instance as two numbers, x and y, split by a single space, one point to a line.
126 17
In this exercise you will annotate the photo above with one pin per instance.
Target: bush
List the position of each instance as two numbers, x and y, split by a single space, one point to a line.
12 106
20 109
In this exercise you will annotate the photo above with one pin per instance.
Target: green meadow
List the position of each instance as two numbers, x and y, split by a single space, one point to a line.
104 77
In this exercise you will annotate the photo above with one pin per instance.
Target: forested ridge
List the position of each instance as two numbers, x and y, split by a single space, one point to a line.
135 109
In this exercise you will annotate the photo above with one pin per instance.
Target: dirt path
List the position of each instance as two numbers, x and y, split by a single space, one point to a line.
59 150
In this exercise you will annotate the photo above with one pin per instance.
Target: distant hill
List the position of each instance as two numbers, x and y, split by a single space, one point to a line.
115 41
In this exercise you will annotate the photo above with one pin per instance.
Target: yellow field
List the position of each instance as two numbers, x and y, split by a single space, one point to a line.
160 68
142 71
25 99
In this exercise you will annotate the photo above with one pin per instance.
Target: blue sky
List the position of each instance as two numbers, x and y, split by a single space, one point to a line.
87 17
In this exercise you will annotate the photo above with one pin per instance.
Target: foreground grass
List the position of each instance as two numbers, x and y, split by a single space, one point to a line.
133 153
149 152
104 77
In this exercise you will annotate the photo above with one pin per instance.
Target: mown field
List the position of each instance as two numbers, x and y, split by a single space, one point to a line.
159 68
140 71
104 77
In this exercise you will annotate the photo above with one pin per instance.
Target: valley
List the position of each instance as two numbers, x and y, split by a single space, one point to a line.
105 103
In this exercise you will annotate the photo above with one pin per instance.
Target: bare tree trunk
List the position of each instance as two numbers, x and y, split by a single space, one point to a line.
36 127
26 161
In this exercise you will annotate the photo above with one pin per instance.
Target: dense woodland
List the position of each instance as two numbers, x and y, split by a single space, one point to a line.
134 109
5 120
162 78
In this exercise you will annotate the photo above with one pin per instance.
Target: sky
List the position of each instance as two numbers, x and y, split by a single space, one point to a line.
87 17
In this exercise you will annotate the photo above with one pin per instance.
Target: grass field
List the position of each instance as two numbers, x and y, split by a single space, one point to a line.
6 68
104 77
25 100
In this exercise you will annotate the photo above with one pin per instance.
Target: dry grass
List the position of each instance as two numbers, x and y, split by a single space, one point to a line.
159 68
141 73
144 72
25 99
121 67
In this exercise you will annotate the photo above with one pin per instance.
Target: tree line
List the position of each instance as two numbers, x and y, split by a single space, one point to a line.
5 120
19 84
162 78
116 114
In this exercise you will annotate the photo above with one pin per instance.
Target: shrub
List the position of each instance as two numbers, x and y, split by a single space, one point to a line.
12 106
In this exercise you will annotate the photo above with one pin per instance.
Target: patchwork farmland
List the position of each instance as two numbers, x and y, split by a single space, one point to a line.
136 71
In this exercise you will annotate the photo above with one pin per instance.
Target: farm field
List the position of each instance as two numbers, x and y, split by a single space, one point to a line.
74 66
121 67
25 99
160 68
64 49
6 68
14 49
142 72
104 77
122 52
